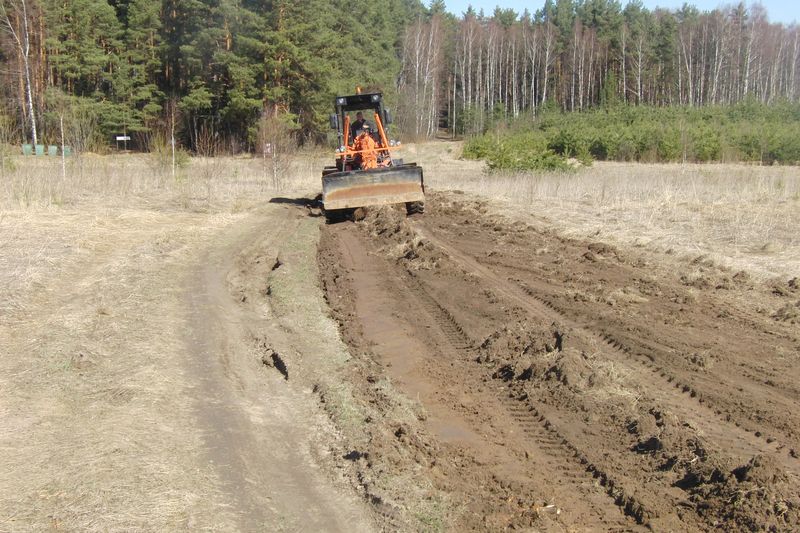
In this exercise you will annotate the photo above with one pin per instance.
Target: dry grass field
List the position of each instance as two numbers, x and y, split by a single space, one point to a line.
132 393
744 216
143 316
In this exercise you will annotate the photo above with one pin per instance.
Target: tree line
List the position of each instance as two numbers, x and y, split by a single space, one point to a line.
578 54
212 71
214 68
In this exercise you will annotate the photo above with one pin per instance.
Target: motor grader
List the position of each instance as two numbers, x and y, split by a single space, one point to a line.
347 185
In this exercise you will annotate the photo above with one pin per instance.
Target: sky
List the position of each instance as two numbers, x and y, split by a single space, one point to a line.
786 11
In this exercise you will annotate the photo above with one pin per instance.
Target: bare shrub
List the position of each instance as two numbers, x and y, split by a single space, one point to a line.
8 133
207 143
275 144
209 165
81 127
162 159
73 122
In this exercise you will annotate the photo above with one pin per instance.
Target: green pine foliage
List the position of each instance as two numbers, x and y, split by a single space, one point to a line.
223 62
746 132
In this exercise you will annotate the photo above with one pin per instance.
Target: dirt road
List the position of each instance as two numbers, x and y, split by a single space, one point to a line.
135 394
569 385
165 369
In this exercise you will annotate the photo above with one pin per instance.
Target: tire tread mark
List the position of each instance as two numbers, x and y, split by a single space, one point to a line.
648 362
530 419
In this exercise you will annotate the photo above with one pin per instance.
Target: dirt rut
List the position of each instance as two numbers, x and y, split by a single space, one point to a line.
568 384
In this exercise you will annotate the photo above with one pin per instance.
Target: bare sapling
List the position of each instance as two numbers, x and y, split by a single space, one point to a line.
166 155
7 134
276 144
172 113
63 146
207 148
79 129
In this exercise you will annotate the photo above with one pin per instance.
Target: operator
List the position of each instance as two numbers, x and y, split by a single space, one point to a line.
356 126
366 146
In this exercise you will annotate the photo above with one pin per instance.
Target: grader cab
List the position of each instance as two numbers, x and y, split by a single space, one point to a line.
370 176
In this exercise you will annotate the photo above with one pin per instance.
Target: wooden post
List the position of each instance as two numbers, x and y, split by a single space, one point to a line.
63 156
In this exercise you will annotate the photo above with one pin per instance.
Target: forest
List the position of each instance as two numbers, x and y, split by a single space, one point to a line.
214 72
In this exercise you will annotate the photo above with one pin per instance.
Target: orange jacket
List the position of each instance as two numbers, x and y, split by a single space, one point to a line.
367 146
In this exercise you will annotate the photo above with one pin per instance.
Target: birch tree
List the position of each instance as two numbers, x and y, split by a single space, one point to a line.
16 21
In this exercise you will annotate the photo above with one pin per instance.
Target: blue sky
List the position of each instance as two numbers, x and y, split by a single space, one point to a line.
786 11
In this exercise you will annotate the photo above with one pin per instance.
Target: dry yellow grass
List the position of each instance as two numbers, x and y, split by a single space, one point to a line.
200 183
97 430
742 216
90 409
48 220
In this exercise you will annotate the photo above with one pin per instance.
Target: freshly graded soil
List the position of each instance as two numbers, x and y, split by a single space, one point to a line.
563 384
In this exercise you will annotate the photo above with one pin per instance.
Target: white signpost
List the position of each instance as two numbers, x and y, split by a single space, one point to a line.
123 139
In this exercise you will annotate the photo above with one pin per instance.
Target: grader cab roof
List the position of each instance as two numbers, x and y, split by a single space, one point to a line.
372 103
355 102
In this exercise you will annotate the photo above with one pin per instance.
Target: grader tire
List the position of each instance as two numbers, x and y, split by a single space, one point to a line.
415 208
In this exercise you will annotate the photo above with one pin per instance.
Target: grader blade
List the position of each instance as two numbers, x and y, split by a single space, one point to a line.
361 188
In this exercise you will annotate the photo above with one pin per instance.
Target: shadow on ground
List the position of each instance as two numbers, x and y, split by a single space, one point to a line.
312 205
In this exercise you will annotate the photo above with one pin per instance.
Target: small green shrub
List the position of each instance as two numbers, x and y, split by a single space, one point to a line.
516 152
705 144
783 147
479 147
669 145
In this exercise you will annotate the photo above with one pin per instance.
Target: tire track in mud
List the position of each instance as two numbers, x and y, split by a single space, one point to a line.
543 445
746 318
607 413
757 381
668 378
706 409
663 387
576 466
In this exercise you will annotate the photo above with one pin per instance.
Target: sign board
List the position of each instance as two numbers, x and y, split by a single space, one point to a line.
123 137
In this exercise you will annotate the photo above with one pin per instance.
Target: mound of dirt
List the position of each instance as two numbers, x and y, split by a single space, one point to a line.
401 242
601 249
705 274
385 221
673 444
523 351
519 340
528 353
788 313
755 496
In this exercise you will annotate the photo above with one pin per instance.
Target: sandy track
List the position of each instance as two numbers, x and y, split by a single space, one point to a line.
133 392
557 374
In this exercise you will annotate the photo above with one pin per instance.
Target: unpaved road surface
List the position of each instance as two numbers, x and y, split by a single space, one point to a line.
138 381
461 370
567 385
